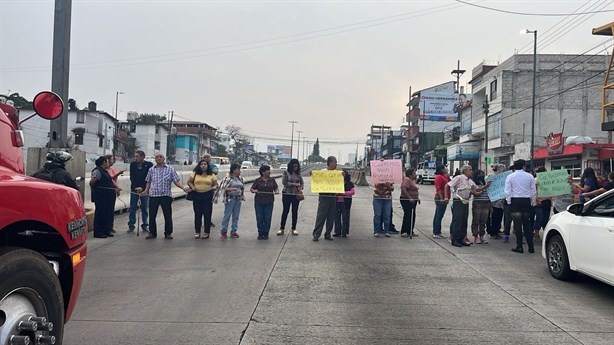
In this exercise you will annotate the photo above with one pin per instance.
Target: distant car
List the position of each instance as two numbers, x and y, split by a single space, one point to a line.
581 239
247 165
150 159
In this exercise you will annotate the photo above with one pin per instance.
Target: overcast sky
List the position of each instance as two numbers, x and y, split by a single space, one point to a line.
336 67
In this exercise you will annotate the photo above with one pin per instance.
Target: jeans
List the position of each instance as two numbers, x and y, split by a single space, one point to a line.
164 202
327 211
381 213
264 212
542 215
232 208
409 216
507 220
460 213
287 201
203 207
480 212
105 212
134 198
521 214
495 221
342 221
440 211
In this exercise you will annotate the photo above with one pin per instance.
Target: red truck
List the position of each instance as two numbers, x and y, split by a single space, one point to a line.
43 233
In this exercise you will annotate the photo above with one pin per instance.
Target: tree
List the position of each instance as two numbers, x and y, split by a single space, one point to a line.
18 101
238 141
221 150
315 154
151 119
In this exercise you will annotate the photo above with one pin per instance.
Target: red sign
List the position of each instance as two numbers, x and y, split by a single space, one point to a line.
554 142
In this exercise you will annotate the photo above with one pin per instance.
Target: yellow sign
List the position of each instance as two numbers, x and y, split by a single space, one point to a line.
327 181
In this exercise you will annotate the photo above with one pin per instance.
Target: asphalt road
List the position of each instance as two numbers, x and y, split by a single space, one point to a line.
355 290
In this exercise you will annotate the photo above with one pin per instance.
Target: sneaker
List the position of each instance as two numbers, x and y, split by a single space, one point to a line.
466 240
168 237
376 234
265 237
506 239
224 235
495 237
536 236
450 238
112 231
394 232
294 232
386 234
483 240
212 225
477 240
150 236
280 232
440 236
145 229
413 234
404 234
234 235
130 231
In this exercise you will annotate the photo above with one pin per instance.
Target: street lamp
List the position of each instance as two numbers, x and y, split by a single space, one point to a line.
298 147
534 32
116 99
292 137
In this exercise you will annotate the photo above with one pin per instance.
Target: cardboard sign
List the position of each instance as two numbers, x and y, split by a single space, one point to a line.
386 171
553 183
496 190
327 181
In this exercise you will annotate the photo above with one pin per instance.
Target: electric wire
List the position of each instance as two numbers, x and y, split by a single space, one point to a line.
530 14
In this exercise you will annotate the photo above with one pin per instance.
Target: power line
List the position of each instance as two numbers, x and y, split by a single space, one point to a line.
531 14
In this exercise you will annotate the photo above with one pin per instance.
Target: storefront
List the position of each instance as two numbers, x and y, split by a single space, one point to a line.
577 157
465 153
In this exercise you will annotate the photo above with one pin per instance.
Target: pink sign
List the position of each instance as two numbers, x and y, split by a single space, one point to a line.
389 170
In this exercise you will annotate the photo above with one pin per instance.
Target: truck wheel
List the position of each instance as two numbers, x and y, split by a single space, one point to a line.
419 180
31 303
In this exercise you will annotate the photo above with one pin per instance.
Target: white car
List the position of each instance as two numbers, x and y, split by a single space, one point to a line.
247 165
581 239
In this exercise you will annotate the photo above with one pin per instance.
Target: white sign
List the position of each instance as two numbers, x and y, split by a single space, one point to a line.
522 151
442 106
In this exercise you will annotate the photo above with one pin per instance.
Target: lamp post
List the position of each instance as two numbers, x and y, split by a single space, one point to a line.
534 32
298 146
116 99
115 125
292 137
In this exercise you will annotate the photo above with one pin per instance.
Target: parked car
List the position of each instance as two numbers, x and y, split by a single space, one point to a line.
581 239
247 165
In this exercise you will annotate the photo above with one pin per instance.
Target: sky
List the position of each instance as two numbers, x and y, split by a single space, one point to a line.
334 67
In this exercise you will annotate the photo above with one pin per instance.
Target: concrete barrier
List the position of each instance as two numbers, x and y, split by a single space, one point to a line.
123 201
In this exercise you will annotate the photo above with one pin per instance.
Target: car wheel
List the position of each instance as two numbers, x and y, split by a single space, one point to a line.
558 261
31 303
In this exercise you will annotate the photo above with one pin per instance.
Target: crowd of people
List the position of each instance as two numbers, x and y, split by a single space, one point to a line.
465 191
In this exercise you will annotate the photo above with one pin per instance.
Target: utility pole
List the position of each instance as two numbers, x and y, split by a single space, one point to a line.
486 108
170 143
58 128
298 146
292 137
458 73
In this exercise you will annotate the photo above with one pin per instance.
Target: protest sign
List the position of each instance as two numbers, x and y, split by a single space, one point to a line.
327 181
496 190
553 183
389 170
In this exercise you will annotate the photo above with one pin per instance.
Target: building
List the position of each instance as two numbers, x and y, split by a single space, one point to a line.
195 139
150 138
568 95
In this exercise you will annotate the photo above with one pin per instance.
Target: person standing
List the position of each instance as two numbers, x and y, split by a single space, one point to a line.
382 206
265 188
588 183
410 198
344 205
496 217
158 188
520 194
542 208
104 193
203 183
138 172
480 210
232 188
114 176
327 208
464 187
54 169
214 169
441 197
606 187
293 185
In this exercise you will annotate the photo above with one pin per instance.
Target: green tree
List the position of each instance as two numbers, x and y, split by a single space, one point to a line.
238 142
316 148
221 150
19 102
150 119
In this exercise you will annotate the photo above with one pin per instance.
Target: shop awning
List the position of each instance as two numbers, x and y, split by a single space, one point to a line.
442 150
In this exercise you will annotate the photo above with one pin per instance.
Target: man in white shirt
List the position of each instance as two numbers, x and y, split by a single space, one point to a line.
520 194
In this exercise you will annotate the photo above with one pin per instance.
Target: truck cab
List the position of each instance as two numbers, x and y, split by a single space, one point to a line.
43 233
425 172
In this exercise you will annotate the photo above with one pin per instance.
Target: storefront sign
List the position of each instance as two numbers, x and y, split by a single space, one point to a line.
389 170
554 143
553 183
464 151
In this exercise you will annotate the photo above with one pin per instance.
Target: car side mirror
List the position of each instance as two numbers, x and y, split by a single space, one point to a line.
575 209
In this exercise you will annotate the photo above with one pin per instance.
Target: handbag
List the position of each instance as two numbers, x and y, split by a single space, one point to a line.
190 196
300 196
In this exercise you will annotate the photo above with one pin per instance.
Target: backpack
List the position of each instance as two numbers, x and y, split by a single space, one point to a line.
45 174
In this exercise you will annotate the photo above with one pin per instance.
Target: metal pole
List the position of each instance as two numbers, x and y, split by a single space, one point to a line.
533 101
58 128
292 138
298 146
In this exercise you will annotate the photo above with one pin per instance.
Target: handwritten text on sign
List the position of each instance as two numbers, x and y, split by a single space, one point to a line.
327 181
386 171
496 190
553 183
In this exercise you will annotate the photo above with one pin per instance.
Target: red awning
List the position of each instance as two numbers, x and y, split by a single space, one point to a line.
568 150
606 153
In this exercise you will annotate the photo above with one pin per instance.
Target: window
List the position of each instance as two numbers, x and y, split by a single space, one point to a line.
100 141
157 130
80 117
493 90
494 126
156 145
604 208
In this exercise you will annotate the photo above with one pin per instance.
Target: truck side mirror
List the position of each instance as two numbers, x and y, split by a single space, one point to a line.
48 105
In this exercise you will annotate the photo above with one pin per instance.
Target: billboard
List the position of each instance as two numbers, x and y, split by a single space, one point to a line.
282 151
435 106
464 151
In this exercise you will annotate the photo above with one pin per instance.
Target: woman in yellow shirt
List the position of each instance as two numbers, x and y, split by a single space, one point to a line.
203 183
